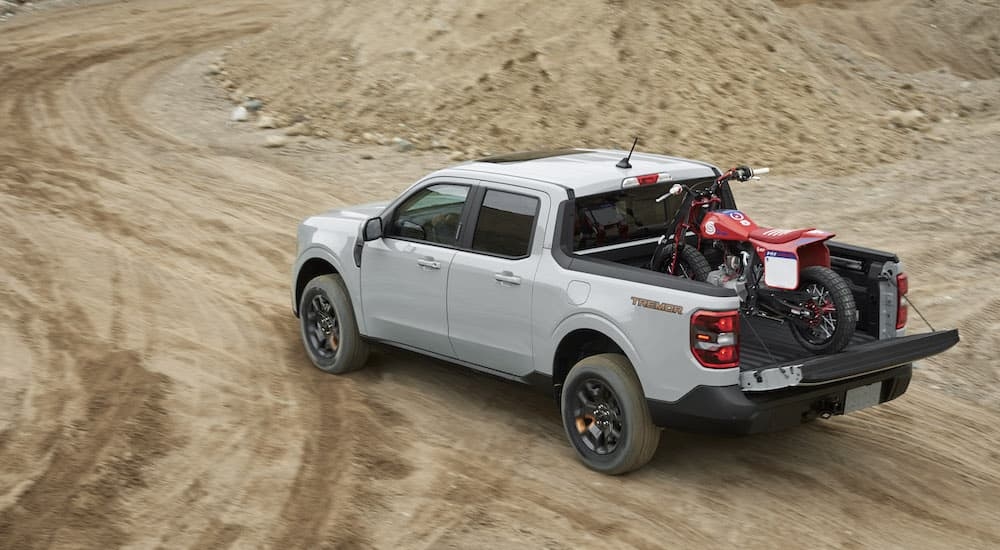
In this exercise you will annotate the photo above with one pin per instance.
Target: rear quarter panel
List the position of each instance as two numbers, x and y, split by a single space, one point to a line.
657 342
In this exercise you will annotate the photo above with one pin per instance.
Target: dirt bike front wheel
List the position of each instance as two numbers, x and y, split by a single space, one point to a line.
834 314
691 264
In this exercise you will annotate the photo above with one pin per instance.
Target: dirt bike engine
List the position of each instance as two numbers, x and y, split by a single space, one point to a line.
730 274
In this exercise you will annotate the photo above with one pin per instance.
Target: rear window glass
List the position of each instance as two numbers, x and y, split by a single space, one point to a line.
626 215
505 223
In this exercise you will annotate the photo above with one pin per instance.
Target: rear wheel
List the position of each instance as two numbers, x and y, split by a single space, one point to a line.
832 311
691 264
605 415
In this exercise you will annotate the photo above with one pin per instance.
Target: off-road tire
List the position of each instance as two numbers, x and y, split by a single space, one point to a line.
639 436
352 351
846 310
692 263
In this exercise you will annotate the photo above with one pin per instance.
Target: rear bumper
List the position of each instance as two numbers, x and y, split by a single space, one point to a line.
728 410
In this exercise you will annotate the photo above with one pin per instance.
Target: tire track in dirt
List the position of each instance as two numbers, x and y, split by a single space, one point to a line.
160 396
94 461
351 456
73 160
96 458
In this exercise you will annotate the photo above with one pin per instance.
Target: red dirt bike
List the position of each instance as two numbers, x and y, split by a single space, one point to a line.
779 274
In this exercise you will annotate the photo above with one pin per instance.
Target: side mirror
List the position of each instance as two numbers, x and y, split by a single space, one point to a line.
373 229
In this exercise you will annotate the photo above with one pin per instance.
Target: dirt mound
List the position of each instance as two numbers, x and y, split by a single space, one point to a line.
727 81
912 35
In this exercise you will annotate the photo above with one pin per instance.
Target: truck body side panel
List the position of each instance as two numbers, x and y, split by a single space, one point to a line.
651 324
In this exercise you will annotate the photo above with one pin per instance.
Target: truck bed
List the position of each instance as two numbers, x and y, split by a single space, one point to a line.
776 368
764 342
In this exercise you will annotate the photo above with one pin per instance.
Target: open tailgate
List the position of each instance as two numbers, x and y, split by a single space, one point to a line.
856 361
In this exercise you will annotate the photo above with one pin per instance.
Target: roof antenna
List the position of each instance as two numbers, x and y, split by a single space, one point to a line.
624 163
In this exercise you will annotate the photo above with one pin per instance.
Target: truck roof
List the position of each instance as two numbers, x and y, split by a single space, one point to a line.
586 171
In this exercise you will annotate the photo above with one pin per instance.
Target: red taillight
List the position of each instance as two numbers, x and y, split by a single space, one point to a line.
648 179
727 324
902 284
715 338
902 287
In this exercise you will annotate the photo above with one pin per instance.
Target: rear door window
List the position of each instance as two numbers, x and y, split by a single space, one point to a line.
505 224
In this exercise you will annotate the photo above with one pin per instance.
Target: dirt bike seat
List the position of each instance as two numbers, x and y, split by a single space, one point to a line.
777 236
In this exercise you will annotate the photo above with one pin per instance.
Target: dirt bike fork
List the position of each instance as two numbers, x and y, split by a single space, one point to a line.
654 262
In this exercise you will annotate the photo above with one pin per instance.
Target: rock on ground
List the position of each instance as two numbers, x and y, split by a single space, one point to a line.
913 119
298 129
402 145
275 141
239 114
267 121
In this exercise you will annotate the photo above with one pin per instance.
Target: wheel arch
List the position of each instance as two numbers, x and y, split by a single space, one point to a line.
584 335
313 263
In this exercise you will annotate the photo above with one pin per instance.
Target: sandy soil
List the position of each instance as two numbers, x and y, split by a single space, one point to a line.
807 86
154 393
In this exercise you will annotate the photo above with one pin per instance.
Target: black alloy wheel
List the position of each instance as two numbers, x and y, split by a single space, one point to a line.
323 328
605 414
599 418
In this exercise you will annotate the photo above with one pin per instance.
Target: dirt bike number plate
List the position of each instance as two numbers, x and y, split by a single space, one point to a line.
781 270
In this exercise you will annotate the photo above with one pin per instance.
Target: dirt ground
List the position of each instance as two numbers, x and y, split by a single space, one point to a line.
154 392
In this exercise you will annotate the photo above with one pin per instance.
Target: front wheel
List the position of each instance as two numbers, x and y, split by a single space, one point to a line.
691 264
605 415
832 312
329 331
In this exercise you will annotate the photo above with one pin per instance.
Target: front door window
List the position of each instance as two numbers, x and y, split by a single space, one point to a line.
432 215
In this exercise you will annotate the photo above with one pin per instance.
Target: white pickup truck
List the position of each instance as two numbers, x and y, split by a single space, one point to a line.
534 267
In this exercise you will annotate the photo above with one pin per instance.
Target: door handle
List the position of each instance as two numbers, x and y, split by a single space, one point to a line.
428 263
507 277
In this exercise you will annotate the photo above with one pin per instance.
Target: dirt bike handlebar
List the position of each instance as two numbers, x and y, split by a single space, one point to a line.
675 189
741 173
